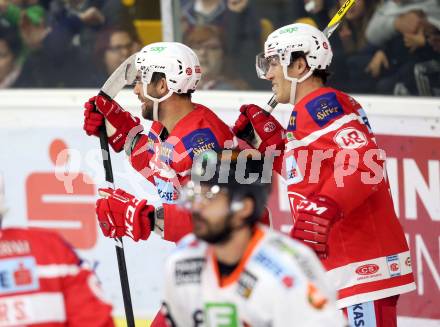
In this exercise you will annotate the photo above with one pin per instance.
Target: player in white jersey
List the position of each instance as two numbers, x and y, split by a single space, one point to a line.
232 271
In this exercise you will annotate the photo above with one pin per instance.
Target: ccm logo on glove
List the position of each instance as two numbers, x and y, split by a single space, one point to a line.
313 222
122 214
311 206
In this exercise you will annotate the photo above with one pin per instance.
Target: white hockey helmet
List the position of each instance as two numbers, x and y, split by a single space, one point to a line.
178 62
292 38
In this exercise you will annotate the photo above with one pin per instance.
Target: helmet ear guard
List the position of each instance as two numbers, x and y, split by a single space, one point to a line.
177 61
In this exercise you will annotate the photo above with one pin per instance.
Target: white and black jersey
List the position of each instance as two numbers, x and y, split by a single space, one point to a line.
278 282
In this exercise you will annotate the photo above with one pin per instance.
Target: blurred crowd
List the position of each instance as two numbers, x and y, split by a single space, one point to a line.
382 47
63 43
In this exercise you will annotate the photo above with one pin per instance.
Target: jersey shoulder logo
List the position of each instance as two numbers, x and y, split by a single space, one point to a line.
200 140
324 108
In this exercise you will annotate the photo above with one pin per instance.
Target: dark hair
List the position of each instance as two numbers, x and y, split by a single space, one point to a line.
322 74
227 164
158 76
103 38
359 26
202 33
9 34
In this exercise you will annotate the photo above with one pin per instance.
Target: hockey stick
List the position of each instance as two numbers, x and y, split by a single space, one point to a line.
248 131
123 75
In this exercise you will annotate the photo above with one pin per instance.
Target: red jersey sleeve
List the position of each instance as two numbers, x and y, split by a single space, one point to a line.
144 150
80 286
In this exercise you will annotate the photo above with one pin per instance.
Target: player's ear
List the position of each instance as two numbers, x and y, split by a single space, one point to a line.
162 87
301 66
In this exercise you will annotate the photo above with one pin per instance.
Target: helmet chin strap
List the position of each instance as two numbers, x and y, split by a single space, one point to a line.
156 101
294 82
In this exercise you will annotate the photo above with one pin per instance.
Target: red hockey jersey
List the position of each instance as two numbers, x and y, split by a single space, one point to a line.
43 283
330 150
166 160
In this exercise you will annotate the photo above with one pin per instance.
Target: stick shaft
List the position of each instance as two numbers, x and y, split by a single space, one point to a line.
120 255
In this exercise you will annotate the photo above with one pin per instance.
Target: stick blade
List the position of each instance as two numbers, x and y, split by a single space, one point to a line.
123 75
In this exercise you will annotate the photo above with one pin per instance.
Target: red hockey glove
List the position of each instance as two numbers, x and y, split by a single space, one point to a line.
120 120
312 225
122 214
93 119
267 130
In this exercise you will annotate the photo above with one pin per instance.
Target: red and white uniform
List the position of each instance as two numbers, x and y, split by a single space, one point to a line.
368 257
42 283
278 282
167 163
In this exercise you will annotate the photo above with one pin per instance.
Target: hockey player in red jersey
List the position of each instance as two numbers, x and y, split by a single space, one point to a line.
168 72
338 192
43 283
233 271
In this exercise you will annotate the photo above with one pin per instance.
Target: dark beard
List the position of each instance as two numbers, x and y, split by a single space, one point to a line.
221 236
147 113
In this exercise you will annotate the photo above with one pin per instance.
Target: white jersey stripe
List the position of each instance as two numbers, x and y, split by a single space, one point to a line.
371 296
56 271
22 310
370 270
312 137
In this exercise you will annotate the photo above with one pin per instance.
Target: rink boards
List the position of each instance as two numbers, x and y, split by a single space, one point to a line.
46 188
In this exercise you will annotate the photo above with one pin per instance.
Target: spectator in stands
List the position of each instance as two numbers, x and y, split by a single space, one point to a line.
400 17
113 46
207 42
75 18
397 27
279 12
52 60
425 47
241 29
12 11
318 10
352 52
10 48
